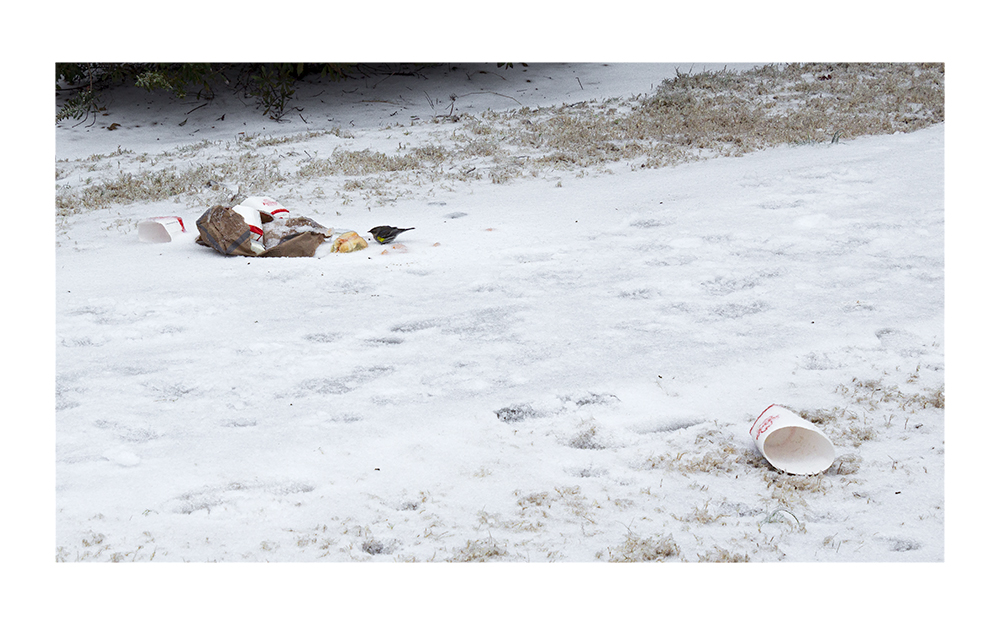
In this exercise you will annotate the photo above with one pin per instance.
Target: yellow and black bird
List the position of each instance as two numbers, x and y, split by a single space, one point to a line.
386 234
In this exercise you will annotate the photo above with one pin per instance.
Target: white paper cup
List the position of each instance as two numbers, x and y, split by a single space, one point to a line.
791 443
266 205
160 229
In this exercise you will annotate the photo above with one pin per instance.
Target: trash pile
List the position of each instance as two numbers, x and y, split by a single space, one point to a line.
261 226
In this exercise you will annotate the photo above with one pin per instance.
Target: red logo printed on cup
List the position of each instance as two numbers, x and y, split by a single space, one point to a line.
765 425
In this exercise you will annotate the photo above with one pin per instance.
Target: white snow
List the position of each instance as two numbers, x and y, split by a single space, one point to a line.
346 407
241 409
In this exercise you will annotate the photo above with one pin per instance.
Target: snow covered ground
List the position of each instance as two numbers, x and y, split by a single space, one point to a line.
347 408
562 367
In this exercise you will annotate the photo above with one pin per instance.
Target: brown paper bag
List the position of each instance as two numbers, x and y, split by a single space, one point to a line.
226 232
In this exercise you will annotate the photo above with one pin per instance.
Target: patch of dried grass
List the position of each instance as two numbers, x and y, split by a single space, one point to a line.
874 394
721 458
790 490
689 117
635 549
733 113
718 554
358 163
487 550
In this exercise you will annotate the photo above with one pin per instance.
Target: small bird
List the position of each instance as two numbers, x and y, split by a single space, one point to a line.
386 234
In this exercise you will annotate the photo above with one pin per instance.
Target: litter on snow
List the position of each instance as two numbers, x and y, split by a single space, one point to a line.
258 226
791 443
160 229
261 226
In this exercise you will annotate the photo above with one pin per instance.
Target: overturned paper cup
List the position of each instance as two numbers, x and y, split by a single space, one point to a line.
791 443
160 229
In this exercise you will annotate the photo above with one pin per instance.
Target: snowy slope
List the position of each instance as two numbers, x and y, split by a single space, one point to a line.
558 368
